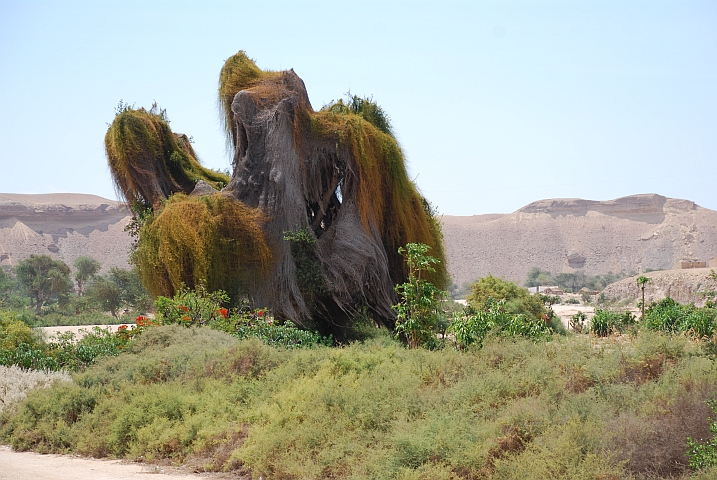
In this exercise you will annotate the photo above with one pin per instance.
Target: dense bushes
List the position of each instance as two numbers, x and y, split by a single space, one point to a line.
513 409
199 307
605 322
64 352
473 327
669 316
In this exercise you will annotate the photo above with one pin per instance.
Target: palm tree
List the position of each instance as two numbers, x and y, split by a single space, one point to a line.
641 281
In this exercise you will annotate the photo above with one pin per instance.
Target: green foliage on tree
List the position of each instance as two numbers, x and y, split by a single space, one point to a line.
418 310
44 278
120 289
537 277
641 282
11 294
517 299
86 268
571 282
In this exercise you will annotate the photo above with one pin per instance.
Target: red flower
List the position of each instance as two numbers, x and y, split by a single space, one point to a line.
260 313
223 312
182 307
185 318
122 327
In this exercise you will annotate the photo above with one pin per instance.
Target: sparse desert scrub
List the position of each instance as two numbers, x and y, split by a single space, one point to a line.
562 407
15 382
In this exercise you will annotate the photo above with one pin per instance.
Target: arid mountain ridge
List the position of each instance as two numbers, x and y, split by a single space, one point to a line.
64 226
629 234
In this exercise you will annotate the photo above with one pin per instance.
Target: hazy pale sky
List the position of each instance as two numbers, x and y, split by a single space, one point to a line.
496 104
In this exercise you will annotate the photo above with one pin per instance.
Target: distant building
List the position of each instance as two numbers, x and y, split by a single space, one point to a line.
691 263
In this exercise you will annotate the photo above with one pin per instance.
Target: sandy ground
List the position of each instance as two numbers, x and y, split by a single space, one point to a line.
567 311
50 331
28 465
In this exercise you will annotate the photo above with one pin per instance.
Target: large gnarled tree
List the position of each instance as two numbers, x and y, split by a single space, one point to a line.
310 222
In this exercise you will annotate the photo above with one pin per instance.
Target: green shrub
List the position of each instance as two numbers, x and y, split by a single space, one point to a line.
418 311
669 316
562 409
192 307
472 328
605 322
65 351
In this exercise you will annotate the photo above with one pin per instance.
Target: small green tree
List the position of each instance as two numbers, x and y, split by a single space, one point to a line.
418 311
133 294
537 277
107 294
86 268
44 278
641 282
517 299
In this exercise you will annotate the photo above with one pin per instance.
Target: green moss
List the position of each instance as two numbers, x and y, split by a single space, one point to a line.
149 162
238 73
387 199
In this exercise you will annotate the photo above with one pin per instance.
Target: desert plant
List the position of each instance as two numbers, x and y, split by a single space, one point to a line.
16 382
577 322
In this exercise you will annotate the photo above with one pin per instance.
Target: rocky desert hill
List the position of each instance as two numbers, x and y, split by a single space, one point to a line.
684 286
64 226
629 234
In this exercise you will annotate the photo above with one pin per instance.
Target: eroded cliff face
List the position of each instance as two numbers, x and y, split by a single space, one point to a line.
629 234
684 286
63 226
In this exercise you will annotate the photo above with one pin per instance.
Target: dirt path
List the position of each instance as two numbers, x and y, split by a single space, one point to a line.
50 331
28 465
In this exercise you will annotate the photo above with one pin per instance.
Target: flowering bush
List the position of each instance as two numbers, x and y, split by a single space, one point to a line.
192 307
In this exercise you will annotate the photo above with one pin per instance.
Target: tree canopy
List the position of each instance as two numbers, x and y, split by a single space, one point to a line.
44 278
517 299
85 269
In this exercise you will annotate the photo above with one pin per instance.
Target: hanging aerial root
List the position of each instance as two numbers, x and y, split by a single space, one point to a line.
213 240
